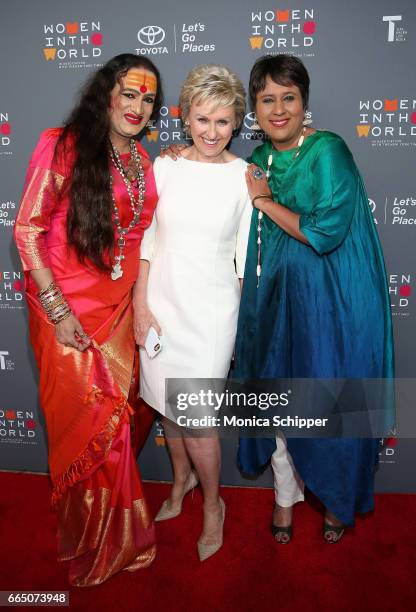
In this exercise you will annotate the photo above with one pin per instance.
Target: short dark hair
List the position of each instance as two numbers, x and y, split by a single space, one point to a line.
282 69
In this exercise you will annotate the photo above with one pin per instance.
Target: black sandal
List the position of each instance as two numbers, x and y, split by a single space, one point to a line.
282 531
333 533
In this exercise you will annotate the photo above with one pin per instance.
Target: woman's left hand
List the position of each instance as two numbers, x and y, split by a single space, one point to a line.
259 185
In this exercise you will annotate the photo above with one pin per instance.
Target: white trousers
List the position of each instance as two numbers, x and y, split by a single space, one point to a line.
288 486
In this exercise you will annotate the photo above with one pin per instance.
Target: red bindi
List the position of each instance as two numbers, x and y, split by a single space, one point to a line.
143 88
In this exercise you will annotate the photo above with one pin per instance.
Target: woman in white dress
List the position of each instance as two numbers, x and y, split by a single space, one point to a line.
192 258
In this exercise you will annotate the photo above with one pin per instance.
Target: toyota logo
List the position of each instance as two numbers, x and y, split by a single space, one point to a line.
249 120
151 35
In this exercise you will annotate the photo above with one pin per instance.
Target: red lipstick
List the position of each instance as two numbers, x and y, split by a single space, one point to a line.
133 119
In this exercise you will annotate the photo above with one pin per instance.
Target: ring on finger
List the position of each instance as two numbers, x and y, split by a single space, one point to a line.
258 174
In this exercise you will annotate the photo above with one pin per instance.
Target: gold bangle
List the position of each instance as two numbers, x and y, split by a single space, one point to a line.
54 303
60 314
51 287
62 317
263 195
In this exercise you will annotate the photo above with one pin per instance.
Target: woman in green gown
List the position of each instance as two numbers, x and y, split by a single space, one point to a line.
315 299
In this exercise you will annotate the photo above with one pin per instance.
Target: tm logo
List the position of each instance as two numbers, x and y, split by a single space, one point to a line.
151 35
3 355
392 25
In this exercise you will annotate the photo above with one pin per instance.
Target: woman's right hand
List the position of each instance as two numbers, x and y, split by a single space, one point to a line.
70 332
173 151
143 321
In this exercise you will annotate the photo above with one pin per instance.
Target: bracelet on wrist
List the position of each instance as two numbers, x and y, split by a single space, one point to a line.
262 195
54 303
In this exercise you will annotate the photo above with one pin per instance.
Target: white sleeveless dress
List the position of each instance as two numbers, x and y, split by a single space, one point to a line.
196 246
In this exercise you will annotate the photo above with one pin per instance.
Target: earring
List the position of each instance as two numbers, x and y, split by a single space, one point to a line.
308 118
255 125
150 124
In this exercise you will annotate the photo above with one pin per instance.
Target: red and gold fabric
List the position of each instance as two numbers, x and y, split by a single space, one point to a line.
103 521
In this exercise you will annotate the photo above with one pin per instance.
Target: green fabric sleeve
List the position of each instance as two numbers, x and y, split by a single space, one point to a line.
257 155
336 189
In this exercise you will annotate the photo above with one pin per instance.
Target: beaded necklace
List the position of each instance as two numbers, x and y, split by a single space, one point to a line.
136 205
260 213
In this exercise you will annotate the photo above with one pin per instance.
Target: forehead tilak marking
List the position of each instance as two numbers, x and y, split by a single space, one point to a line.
141 80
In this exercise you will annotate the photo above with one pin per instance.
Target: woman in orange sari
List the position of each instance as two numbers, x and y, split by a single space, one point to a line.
88 197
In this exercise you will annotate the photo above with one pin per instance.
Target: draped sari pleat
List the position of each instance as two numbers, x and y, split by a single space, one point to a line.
103 521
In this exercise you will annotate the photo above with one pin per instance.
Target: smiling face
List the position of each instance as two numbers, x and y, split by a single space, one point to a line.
211 129
280 113
131 106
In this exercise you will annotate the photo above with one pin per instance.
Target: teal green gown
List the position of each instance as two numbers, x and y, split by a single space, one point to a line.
321 310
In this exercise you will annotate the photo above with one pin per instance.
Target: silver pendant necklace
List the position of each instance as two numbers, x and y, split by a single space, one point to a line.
260 213
136 205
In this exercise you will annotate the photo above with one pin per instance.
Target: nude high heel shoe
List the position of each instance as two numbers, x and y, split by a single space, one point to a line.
207 550
166 512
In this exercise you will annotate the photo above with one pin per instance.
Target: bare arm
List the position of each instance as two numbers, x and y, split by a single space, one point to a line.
140 286
143 317
42 277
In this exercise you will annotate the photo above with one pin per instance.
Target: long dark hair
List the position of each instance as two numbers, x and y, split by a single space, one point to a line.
89 221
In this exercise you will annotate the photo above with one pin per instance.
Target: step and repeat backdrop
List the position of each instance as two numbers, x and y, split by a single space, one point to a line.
360 56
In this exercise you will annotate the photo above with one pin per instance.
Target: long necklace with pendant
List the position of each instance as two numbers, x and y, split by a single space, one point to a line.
134 172
260 213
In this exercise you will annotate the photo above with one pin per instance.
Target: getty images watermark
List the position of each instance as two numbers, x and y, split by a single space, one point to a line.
209 400
312 408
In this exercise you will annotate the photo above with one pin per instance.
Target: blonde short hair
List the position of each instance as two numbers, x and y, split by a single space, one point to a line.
213 83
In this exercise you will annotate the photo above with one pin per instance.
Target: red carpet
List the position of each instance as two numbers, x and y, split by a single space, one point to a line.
373 568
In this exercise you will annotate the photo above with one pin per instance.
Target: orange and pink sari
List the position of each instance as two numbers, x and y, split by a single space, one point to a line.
103 521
